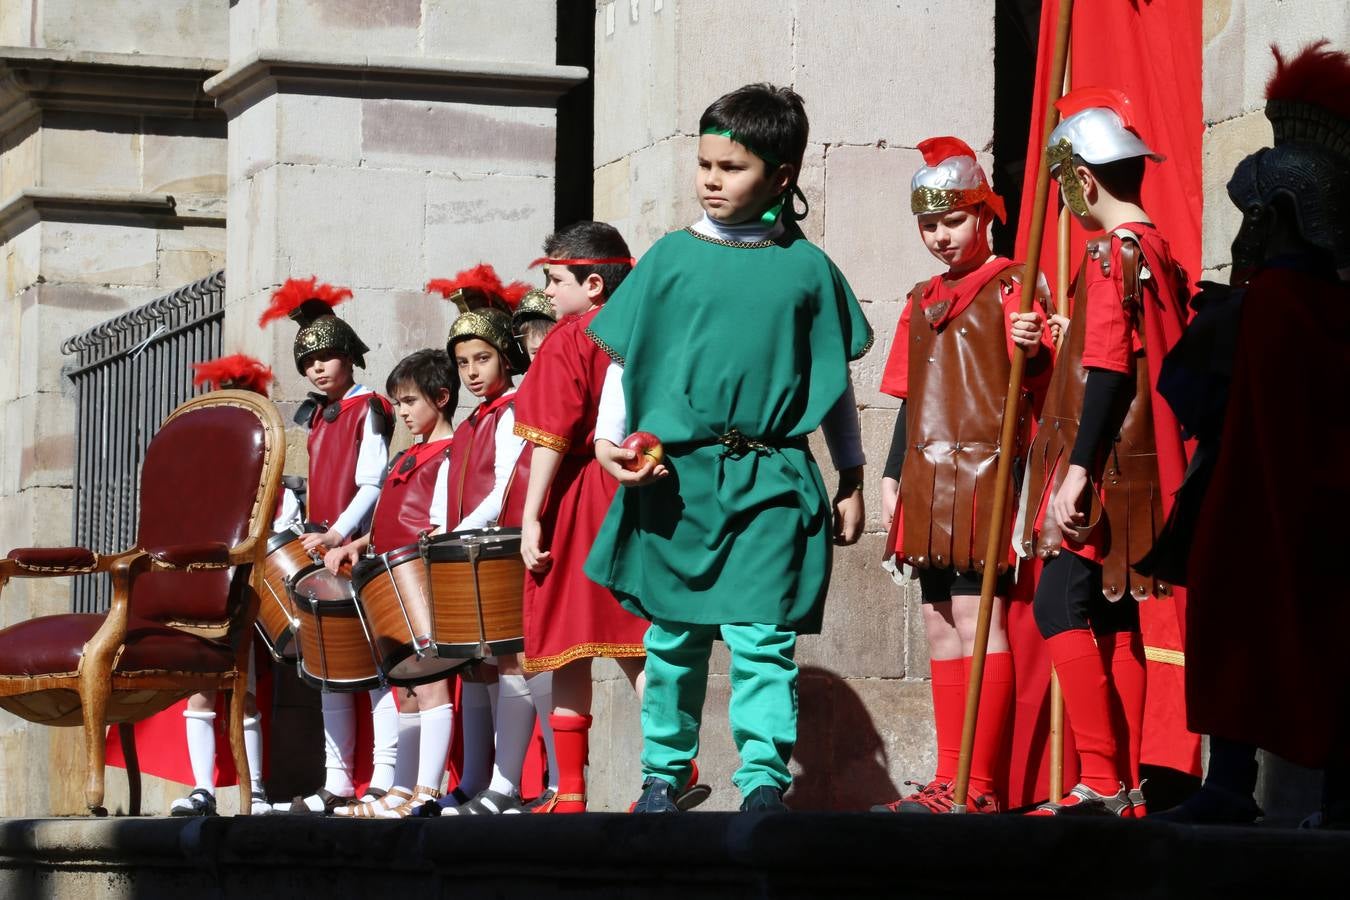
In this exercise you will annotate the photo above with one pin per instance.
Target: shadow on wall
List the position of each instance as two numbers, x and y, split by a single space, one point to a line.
841 758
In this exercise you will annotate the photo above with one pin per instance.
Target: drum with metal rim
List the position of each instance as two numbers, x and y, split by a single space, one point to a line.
276 616
335 652
443 602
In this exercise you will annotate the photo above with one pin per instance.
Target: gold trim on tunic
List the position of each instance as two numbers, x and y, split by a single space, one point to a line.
541 437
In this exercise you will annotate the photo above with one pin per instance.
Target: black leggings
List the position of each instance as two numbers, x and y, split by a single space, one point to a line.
1069 598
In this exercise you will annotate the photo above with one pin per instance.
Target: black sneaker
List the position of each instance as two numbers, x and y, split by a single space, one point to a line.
1212 805
655 797
764 799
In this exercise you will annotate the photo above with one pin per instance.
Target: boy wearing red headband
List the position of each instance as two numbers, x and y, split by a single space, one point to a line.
1107 459
569 619
949 364
731 343
349 428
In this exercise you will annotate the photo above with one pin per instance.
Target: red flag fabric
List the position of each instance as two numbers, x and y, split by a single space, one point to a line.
1151 51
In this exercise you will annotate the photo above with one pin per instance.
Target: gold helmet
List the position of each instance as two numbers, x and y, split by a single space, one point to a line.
311 305
534 305
486 306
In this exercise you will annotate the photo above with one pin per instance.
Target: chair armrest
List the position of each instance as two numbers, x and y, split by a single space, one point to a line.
205 555
37 562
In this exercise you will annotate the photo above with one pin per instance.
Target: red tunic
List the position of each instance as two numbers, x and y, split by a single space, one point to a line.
568 616
404 507
333 449
473 466
1267 617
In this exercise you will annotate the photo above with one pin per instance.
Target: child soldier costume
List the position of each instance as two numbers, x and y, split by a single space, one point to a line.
1102 412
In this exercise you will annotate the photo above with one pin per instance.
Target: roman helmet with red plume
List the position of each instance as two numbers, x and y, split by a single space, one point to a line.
486 306
950 178
310 303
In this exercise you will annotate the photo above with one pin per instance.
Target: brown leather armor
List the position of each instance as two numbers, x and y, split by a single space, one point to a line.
1126 471
958 380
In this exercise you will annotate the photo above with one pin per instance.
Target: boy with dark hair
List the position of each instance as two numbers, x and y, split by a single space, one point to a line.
1107 458
349 428
949 364
731 343
412 501
569 619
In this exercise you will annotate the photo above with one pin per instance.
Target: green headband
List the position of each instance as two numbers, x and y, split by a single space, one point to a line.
770 160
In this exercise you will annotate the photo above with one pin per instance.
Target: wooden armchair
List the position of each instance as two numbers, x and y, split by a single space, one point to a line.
183 599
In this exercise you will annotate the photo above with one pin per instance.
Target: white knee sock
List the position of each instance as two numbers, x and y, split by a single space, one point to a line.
339 742
384 718
541 694
515 725
409 750
253 751
201 742
434 745
476 714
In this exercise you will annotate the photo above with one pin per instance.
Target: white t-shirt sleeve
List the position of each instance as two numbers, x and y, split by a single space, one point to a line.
290 513
843 434
439 500
611 421
371 459
508 450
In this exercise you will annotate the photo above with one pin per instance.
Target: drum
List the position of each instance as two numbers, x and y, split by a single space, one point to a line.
440 604
276 616
335 653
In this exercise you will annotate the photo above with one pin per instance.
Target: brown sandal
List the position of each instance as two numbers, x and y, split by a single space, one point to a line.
421 795
371 809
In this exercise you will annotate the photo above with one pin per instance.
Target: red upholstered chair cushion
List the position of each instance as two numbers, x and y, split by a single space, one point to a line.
54 557
199 484
50 645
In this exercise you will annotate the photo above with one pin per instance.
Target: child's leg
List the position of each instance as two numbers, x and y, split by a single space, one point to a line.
339 744
253 752
1121 647
433 703
199 725
476 718
384 721
541 695
947 672
763 709
996 694
571 724
1067 585
672 702
514 726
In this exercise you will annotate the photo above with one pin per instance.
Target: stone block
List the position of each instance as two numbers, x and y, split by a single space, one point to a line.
661 192
883 316
867 83
347 26
615 771
713 58
812 183
316 130
635 79
877 427
102 254
864 631
498 219
20 164
252 262
43 425
16 23
23 260
386 254
457 137
1225 145
24 749
184 165
610 190
916 634
253 141
190 253
165 28
91 160
1289 27
458 30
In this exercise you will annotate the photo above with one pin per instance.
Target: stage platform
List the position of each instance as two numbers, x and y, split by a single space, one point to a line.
693 855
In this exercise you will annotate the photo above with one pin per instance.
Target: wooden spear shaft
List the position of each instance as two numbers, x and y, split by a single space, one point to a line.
996 549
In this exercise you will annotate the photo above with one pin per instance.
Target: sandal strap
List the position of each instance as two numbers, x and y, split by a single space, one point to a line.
570 798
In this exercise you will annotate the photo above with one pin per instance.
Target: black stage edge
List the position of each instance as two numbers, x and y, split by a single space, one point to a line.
684 855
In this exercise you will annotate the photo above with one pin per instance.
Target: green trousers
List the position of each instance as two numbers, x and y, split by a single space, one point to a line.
763 708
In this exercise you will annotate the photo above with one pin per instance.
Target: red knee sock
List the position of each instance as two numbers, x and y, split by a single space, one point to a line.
1087 703
571 743
1123 656
949 711
990 738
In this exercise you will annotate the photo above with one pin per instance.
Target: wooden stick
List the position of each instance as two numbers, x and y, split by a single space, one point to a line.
998 536
1056 738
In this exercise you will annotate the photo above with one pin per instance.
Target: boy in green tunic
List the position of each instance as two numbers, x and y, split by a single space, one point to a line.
731 342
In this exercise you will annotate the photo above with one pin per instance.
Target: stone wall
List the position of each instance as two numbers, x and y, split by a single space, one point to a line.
866 722
112 175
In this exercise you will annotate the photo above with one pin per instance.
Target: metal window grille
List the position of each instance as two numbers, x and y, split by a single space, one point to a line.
130 372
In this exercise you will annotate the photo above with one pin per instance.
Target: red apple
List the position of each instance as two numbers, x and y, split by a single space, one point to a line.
646 445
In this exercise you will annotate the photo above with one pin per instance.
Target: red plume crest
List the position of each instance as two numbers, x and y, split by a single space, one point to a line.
291 295
1317 76
238 370
936 149
481 277
1077 100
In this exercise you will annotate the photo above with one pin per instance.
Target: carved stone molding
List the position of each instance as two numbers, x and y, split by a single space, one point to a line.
131 84
288 71
32 205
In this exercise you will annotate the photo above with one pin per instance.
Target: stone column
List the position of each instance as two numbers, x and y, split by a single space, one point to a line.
112 167
865 71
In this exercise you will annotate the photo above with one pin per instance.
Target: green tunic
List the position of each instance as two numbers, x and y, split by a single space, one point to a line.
716 335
